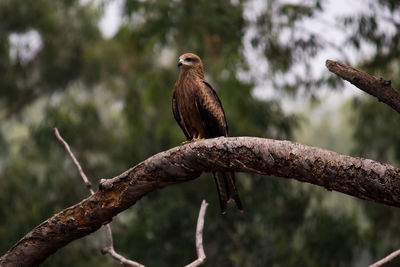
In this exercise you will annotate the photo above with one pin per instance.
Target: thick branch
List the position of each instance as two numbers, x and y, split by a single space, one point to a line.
362 178
377 87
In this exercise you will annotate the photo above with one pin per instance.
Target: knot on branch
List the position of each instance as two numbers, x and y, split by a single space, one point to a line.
385 82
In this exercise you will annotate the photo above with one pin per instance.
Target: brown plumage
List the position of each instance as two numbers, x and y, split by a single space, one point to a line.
199 113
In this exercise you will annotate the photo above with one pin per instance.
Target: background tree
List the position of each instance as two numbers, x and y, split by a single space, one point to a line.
111 100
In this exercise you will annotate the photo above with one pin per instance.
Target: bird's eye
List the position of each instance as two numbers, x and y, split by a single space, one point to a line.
188 59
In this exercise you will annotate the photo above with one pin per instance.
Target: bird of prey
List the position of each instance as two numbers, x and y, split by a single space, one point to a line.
199 113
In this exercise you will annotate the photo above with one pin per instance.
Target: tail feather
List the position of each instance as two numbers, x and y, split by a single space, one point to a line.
222 190
227 190
232 190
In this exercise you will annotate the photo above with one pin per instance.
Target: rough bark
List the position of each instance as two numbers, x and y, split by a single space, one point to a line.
362 178
378 87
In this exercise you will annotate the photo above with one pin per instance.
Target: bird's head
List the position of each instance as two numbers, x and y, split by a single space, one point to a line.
189 60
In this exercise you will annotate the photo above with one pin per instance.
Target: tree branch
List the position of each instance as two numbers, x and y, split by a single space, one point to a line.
22 103
201 256
386 259
76 162
362 178
377 87
110 248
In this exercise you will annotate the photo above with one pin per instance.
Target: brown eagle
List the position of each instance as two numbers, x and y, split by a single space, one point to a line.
199 113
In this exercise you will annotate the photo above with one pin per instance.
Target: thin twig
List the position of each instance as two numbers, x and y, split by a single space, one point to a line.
110 248
83 175
386 259
201 256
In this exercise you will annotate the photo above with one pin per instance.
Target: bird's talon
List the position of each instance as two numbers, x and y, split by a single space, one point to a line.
197 138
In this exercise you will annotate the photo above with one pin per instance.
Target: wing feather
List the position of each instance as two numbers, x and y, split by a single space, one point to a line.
178 117
211 111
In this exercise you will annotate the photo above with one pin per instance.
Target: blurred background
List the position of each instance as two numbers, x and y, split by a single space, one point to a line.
103 73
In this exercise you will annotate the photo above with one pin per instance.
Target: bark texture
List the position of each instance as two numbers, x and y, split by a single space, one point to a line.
362 178
378 87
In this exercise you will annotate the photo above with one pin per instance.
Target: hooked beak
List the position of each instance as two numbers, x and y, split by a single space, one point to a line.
180 62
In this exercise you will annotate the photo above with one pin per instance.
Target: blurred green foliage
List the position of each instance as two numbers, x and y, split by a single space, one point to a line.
111 100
